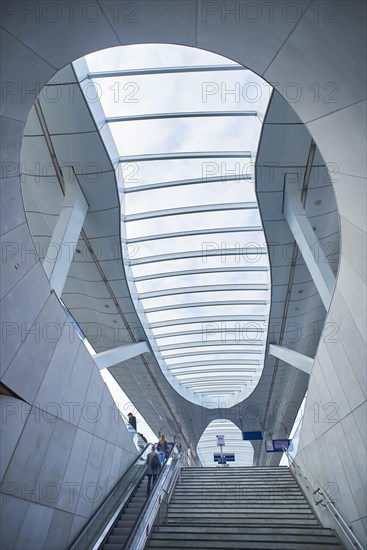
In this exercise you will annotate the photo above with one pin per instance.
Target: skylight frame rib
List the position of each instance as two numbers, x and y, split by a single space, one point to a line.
186 345
199 209
249 372
198 388
213 352
214 393
198 344
187 155
203 271
224 364
192 181
182 114
207 319
246 287
223 330
194 232
189 254
207 304
205 382
165 70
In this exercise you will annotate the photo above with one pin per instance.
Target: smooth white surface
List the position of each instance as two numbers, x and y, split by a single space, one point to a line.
283 52
65 235
112 357
306 239
293 358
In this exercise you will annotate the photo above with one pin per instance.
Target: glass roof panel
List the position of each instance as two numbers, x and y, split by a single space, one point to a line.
193 223
224 339
237 276
187 222
185 134
176 197
151 172
205 296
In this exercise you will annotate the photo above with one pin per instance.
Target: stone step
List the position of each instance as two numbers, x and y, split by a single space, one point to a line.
239 481
286 478
332 544
253 520
278 471
224 509
234 501
248 537
195 530
205 492
223 474
235 482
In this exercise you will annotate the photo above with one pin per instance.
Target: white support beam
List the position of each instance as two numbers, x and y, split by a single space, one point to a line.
306 240
66 234
112 357
298 360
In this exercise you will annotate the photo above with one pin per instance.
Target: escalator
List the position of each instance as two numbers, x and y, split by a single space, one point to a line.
126 516
127 519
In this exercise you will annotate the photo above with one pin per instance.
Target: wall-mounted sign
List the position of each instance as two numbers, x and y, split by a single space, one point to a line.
220 440
252 436
277 445
226 458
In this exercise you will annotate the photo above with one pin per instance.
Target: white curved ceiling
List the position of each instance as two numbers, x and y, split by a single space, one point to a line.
186 130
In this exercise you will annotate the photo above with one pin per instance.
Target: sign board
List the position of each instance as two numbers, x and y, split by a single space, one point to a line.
276 445
226 458
252 436
220 440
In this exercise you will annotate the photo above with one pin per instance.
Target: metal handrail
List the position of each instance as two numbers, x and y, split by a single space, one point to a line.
95 538
165 484
325 501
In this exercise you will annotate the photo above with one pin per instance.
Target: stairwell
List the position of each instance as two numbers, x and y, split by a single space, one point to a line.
261 508
124 525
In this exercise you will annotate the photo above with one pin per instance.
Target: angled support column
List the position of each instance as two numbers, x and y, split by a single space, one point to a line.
306 240
112 357
298 360
66 234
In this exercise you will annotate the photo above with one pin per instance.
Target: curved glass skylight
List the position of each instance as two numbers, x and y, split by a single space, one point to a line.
186 124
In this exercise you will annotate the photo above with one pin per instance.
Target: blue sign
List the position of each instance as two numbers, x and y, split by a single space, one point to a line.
226 458
277 445
252 436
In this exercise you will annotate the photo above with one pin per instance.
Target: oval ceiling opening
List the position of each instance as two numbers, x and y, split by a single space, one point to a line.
186 124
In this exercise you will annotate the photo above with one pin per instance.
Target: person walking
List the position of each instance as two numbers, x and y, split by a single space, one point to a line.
132 420
163 449
154 467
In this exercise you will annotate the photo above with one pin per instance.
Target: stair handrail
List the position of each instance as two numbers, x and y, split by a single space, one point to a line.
165 484
325 501
96 539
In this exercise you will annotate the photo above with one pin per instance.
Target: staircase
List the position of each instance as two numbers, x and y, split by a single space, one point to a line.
261 508
122 529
